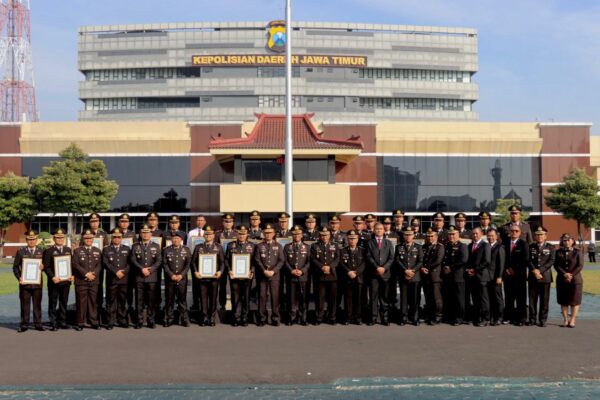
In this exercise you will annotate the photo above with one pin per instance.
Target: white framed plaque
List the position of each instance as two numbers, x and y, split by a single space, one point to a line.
31 271
240 266
207 265
127 242
62 267
284 240
158 240
195 241
168 242
98 243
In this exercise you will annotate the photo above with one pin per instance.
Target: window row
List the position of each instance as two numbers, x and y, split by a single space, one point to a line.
415 104
415 74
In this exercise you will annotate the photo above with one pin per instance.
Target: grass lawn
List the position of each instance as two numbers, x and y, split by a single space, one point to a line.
591 281
8 283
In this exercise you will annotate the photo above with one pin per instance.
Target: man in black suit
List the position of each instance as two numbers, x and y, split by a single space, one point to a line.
409 260
453 279
497 260
515 278
380 257
478 275
541 260
433 256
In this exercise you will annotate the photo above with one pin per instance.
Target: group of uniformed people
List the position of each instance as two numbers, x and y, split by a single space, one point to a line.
482 276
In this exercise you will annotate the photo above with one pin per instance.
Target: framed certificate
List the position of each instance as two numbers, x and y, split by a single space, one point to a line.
168 242
225 243
240 266
394 241
195 241
127 242
98 243
158 240
62 267
207 265
284 241
31 271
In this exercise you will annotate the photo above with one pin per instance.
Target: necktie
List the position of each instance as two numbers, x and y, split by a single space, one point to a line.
512 246
474 247
379 243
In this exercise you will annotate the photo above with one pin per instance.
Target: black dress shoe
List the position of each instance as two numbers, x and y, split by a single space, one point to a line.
317 323
416 323
543 324
22 329
332 323
39 328
356 322
275 323
519 323
260 323
370 323
137 326
211 323
166 324
235 323
505 322
456 323
289 323
124 326
345 323
303 323
151 325
244 323
78 328
385 322
493 323
109 327
64 326
53 328
185 323
402 323
95 327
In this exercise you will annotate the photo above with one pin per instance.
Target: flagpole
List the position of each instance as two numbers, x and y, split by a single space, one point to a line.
289 159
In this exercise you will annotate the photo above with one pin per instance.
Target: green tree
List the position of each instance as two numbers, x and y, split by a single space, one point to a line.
16 203
74 185
502 215
577 199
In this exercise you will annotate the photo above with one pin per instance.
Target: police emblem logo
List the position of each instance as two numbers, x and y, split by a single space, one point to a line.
277 36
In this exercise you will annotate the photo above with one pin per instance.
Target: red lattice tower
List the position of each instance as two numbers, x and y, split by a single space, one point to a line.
17 89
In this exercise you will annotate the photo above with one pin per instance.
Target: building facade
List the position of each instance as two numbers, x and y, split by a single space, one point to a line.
347 169
229 71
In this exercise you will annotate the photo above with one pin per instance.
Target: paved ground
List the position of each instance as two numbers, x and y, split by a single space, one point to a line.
296 355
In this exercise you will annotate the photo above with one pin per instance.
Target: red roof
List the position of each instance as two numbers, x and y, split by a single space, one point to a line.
269 133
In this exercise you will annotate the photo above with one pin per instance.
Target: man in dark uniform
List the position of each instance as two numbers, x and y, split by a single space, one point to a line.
388 232
351 269
29 294
438 226
370 221
409 260
145 264
515 219
541 260
94 226
485 223
433 257
174 224
497 260
115 259
208 285
87 264
255 231
268 261
337 236
453 280
415 225
311 233
284 226
129 237
460 220
176 263
358 224
478 275
324 258
380 257
226 233
515 277
240 287
398 217
297 264
58 290
152 222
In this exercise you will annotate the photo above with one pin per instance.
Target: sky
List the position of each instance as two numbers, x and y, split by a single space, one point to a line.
539 60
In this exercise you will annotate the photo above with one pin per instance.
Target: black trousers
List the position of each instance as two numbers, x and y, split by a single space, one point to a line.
496 297
209 289
352 299
379 300
433 300
459 302
176 293
100 295
392 295
159 279
481 301
131 299
539 301
515 292
409 300
297 299
240 289
58 299
116 303
448 300
223 291
269 289
327 294
592 255
195 293
28 297
145 294
86 297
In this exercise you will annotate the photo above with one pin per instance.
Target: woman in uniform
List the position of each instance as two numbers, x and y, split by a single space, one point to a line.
569 282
